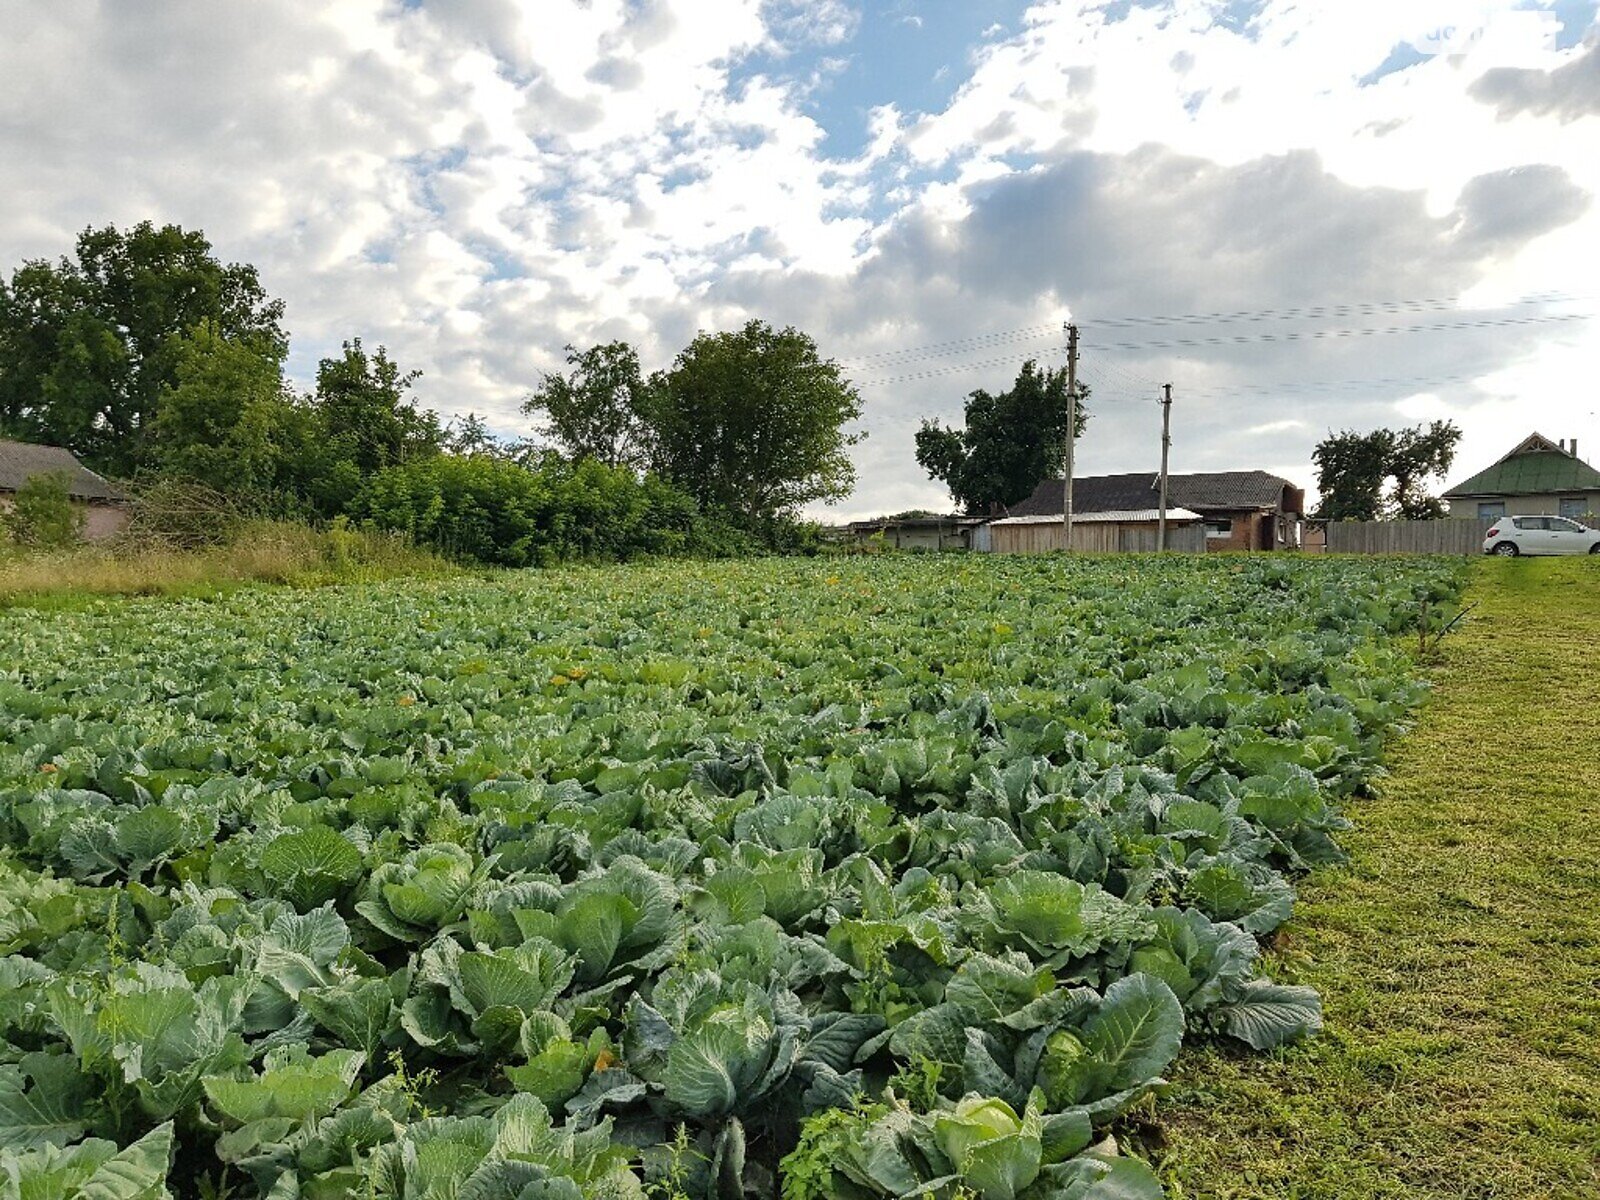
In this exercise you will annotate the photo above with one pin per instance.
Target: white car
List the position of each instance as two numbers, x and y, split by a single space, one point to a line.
1511 536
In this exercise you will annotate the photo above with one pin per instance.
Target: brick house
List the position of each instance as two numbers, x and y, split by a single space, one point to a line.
105 507
1241 510
1537 476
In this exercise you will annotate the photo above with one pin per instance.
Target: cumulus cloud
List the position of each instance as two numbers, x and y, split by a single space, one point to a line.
1568 93
1278 239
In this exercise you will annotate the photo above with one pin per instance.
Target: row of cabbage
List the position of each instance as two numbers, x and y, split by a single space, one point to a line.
878 879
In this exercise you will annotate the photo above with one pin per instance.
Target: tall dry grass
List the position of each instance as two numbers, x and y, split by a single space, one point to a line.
271 552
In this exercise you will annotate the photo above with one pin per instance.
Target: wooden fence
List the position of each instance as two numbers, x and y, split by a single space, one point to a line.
1095 537
1453 535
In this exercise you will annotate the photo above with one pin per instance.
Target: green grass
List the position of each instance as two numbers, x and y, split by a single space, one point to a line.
1458 953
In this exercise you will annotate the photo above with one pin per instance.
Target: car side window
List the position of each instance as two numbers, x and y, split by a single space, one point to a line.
1563 526
1530 523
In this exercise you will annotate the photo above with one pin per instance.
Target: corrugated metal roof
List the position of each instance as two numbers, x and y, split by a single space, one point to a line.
1110 517
1541 469
20 461
1216 490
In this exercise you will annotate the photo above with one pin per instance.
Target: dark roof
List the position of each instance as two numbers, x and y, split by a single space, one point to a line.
1211 491
20 461
1537 466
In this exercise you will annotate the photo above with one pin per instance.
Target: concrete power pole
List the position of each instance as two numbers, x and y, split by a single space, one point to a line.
1166 445
1072 435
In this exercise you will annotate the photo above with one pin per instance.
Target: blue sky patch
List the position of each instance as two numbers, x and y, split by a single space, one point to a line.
1403 56
914 54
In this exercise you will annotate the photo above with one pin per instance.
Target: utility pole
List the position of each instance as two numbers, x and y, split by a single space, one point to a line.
1072 434
1166 445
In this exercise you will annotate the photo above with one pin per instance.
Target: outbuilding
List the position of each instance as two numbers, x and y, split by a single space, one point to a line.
1111 532
105 506
1240 510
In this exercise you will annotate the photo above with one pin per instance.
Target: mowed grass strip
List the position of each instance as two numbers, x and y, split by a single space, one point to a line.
1458 953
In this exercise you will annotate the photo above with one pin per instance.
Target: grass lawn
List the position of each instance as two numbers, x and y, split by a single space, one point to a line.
1458 954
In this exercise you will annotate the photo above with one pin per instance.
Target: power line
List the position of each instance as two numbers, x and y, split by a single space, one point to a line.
957 368
960 345
900 362
1241 339
1314 312
1318 312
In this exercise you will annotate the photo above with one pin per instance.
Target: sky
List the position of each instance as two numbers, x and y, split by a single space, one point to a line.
1304 216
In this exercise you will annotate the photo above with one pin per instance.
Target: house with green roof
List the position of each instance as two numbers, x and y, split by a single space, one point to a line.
1538 476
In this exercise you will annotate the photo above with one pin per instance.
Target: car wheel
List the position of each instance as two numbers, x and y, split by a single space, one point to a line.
1506 549
1595 549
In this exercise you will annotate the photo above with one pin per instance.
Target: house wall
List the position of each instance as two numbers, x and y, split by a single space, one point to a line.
100 521
1526 505
103 521
1252 530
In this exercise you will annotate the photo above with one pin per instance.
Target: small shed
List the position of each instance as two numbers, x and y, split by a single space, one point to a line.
919 532
106 510
1109 532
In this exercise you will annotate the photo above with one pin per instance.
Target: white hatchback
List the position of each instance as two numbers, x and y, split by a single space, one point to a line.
1511 536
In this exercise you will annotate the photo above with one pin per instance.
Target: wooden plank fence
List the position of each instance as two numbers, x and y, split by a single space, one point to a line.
1453 535
1093 537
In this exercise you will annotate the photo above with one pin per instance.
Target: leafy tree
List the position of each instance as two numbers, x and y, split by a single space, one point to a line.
1415 456
42 514
89 345
752 422
224 421
362 421
599 409
469 437
1010 443
1354 469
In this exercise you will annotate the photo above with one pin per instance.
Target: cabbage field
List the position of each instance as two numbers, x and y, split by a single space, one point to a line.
854 878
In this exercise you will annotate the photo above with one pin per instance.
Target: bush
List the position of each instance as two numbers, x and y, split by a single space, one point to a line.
494 511
42 515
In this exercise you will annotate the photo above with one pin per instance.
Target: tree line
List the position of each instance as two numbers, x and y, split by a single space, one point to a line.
151 359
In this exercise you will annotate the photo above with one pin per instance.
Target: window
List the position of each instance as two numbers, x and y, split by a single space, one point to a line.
1575 507
1491 512
1532 522
1219 527
1561 526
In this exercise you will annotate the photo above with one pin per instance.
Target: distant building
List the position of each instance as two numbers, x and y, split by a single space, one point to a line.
1111 532
1240 510
914 531
105 507
1537 476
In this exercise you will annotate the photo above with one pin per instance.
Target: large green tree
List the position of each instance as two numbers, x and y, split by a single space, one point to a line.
599 409
1010 442
89 344
1383 474
227 420
363 421
752 422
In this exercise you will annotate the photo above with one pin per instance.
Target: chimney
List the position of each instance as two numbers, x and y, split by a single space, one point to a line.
1572 448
